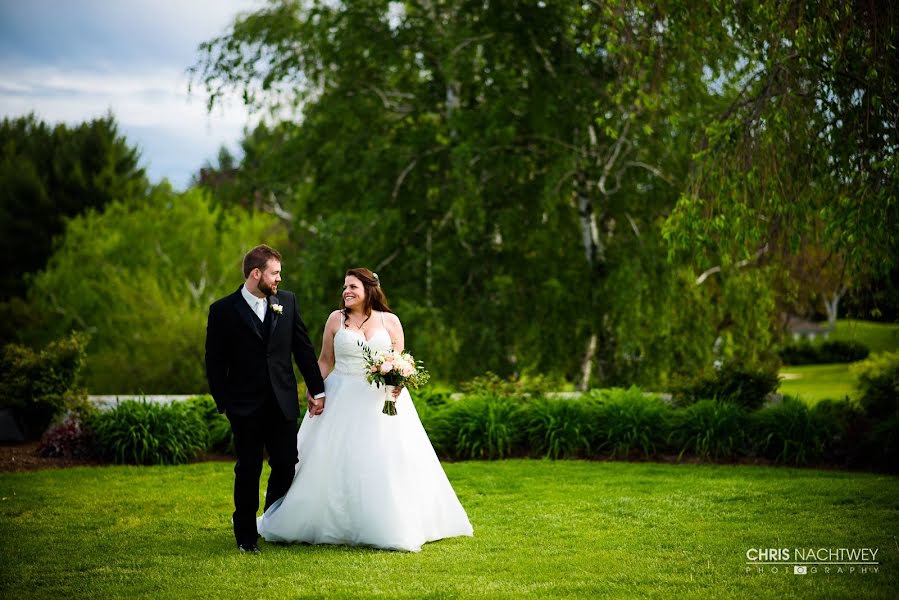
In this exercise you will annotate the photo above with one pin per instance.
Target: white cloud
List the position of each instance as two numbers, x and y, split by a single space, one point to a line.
145 101
129 58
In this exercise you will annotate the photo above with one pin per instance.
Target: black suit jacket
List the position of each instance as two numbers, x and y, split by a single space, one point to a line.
247 360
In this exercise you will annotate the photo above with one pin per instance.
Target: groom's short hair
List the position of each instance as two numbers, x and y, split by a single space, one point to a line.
258 257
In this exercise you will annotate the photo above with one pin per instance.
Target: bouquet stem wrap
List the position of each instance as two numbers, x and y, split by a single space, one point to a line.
389 402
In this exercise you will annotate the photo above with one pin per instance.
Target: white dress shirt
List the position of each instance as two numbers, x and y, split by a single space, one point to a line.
257 305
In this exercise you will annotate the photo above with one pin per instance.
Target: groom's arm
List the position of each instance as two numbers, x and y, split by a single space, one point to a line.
304 353
216 357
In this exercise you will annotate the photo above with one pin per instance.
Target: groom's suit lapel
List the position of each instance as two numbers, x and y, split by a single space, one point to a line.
246 313
272 317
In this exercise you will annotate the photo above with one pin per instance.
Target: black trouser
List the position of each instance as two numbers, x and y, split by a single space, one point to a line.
266 427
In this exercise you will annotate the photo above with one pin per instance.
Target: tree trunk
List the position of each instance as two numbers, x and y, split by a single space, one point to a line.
428 277
587 363
831 305
593 249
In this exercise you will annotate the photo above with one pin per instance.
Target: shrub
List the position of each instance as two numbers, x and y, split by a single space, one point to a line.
432 395
878 381
884 444
70 438
492 384
743 386
146 433
790 433
483 426
631 421
430 400
835 351
562 427
710 429
845 426
221 438
35 383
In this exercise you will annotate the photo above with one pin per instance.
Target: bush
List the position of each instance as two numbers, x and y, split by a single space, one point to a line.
519 387
710 429
563 427
35 384
845 426
790 433
429 400
145 433
742 386
432 395
221 438
884 444
878 381
836 351
70 438
484 426
631 421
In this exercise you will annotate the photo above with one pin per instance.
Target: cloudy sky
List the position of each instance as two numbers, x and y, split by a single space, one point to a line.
73 60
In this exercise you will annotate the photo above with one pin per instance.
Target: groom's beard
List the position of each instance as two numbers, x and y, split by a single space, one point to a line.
267 289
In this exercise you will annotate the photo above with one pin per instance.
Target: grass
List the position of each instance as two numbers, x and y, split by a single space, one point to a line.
542 529
813 383
878 337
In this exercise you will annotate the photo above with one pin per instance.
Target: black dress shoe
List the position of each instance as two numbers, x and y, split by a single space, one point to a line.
251 548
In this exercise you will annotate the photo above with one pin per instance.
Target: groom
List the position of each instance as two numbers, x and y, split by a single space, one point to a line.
250 336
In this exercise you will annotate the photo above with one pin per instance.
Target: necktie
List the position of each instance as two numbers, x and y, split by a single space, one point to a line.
260 309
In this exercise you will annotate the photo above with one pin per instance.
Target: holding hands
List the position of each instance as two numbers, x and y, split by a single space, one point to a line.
314 406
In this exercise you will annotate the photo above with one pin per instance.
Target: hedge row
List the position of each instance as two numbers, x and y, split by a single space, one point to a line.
614 423
630 424
835 351
495 419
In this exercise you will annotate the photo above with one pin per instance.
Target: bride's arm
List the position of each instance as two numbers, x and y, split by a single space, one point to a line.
395 329
397 339
326 358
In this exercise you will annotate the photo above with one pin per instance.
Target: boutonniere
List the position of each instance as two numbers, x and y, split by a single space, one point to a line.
277 308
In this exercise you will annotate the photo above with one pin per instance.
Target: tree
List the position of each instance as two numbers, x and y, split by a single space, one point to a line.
505 163
811 136
139 277
49 174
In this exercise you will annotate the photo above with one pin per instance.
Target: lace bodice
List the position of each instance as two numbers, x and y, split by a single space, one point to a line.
348 358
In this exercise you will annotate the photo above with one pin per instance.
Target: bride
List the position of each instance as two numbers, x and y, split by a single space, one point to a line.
364 478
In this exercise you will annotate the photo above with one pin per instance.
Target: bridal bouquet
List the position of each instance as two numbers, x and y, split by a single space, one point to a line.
391 369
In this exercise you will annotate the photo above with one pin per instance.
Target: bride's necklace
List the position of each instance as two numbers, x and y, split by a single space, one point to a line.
348 324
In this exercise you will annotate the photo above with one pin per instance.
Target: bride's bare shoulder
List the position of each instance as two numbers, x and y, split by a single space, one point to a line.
334 319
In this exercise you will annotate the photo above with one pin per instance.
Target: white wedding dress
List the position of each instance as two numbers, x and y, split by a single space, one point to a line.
364 478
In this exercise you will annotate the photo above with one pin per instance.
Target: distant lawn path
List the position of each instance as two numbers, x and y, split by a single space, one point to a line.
813 383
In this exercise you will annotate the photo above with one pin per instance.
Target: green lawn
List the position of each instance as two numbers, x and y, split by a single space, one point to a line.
813 383
542 529
878 337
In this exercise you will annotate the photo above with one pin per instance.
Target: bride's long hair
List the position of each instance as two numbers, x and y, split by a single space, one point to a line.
374 295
